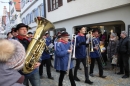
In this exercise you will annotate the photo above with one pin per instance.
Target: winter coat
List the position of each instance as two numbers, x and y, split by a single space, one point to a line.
80 50
124 46
8 72
112 48
62 56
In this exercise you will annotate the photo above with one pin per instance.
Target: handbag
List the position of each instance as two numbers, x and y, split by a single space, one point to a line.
114 60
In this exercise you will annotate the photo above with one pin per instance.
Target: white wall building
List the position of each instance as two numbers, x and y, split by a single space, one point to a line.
14 12
31 9
111 15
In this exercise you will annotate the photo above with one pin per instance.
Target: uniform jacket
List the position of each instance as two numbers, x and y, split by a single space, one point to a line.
46 54
95 54
62 56
80 51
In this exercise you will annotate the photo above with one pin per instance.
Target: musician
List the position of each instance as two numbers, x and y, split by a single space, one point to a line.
33 77
80 54
62 52
96 54
46 60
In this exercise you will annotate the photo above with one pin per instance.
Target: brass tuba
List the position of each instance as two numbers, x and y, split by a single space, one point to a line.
37 44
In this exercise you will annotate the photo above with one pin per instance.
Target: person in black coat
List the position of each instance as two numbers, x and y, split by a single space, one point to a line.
123 52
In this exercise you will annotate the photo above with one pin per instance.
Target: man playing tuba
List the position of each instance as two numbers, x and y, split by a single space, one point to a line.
33 77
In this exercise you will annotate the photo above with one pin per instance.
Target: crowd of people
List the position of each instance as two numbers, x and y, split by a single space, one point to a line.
60 47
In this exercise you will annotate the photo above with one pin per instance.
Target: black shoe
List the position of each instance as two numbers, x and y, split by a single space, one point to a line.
76 79
89 82
103 76
41 77
119 73
51 78
91 75
80 68
57 71
125 76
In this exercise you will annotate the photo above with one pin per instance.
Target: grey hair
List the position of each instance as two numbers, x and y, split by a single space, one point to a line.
124 32
113 34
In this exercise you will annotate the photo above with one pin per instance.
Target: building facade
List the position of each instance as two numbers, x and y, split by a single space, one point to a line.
31 9
15 10
68 15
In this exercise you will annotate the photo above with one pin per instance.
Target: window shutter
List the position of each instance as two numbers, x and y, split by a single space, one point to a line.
49 6
60 3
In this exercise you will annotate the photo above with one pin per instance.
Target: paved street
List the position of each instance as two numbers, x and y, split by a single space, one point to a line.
111 80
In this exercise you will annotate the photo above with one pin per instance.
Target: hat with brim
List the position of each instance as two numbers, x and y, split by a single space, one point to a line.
64 34
21 25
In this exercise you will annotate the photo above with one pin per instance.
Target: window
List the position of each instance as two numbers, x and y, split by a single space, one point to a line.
26 19
42 10
32 17
37 12
59 30
69 0
54 4
23 20
29 18
22 3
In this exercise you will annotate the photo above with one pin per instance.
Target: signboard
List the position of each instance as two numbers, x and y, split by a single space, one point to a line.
129 31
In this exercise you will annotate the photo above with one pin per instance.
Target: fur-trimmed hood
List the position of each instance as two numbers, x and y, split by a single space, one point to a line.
7 49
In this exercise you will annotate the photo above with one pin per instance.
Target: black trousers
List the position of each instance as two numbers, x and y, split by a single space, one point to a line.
62 74
124 63
47 62
78 61
100 67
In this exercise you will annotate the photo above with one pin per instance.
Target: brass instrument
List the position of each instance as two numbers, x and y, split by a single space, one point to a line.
74 45
90 46
37 44
71 56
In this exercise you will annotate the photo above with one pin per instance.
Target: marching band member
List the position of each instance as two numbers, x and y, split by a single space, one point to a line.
46 60
62 58
33 77
96 55
80 54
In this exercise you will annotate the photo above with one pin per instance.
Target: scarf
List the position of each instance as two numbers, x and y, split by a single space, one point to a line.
63 41
80 34
22 38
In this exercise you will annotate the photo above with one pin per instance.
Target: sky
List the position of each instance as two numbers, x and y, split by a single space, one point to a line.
2 6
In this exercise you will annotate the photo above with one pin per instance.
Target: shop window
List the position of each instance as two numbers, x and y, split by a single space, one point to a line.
59 30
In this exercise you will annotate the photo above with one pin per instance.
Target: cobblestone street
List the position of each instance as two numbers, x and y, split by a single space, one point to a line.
111 80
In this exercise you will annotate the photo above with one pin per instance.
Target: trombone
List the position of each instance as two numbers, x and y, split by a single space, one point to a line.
71 56
90 47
